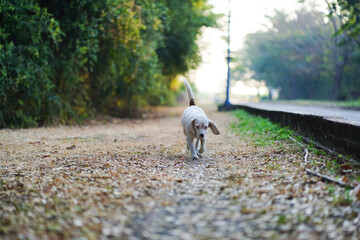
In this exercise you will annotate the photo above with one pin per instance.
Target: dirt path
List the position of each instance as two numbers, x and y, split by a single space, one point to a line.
133 179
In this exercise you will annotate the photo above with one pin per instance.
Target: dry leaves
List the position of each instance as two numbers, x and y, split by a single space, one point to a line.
135 180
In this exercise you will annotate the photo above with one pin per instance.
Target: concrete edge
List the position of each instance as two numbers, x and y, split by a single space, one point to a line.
340 137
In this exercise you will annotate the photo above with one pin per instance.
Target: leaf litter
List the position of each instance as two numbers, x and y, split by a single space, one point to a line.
134 179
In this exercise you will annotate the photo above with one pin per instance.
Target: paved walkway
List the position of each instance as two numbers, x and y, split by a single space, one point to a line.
334 114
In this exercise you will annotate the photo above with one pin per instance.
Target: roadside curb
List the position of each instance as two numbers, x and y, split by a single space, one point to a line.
341 137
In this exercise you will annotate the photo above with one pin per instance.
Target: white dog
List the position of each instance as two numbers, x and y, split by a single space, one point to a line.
195 125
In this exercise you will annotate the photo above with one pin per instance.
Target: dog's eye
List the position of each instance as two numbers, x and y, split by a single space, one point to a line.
197 127
206 127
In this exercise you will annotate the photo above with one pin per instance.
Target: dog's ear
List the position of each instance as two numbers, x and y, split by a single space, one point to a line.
215 130
192 126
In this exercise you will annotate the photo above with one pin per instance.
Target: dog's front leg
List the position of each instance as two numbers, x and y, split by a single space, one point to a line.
199 151
197 148
192 148
197 145
202 147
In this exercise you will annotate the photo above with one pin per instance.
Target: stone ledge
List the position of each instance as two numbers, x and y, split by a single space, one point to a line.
341 137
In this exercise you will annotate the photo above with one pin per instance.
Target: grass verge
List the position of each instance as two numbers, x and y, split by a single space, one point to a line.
260 130
266 135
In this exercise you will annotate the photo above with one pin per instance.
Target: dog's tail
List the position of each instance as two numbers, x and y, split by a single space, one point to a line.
189 92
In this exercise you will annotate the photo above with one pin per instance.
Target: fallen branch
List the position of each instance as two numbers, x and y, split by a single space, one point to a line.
328 179
322 177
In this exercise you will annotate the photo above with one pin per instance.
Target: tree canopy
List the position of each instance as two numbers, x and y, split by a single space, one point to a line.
66 61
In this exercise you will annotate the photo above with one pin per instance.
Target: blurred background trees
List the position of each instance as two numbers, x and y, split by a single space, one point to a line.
66 61
348 14
311 55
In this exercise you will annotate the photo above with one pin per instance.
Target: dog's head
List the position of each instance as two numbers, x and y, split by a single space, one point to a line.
201 125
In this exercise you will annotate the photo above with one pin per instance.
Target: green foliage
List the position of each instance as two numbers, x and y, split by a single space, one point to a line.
76 54
66 61
348 11
182 26
129 47
26 39
301 57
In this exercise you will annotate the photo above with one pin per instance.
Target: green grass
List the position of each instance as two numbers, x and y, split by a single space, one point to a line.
282 219
262 131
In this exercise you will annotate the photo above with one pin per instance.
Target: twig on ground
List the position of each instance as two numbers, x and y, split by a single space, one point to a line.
305 149
263 164
306 155
328 150
328 179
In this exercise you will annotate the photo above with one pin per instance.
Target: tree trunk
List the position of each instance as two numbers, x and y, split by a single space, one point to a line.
339 69
341 57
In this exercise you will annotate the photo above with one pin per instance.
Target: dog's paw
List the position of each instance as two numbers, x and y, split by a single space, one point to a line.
201 150
195 158
199 155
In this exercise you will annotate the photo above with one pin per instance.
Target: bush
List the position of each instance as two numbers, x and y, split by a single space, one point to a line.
67 61
27 35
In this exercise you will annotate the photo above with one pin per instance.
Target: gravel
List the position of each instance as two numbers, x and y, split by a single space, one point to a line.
134 179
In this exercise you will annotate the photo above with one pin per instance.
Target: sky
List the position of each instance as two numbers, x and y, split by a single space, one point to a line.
246 17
